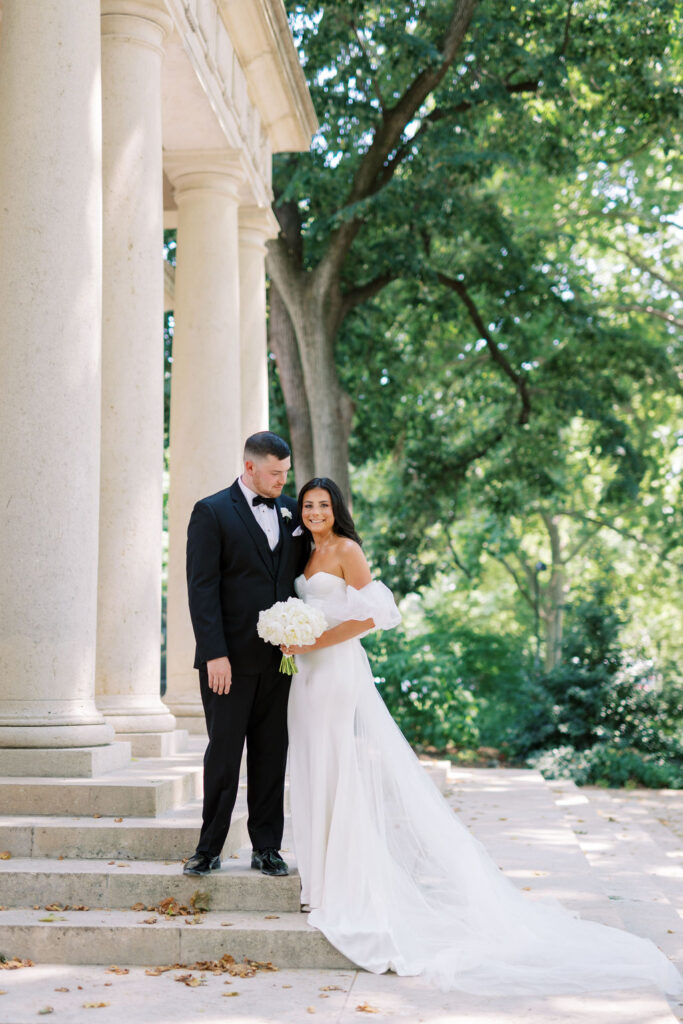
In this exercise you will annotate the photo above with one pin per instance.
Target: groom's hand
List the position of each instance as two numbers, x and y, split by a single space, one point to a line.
220 675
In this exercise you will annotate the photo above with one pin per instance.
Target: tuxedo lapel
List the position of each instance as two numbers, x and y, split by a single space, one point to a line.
255 532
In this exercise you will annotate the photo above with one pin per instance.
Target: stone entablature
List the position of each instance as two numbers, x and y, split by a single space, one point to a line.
231 79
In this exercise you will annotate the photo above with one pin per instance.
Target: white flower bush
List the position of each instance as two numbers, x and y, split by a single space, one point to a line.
293 623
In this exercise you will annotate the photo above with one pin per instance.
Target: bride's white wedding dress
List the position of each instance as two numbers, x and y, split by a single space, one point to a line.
395 881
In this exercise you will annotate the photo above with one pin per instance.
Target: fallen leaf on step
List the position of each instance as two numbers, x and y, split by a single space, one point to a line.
170 907
226 924
117 970
13 964
118 820
93 1006
123 865
97 815
154 972
5 855
190 980
231 993
62 989
323 995
366 1008
526 888
331 988
82 906
61 857
200 900
150 920
234 856
46 1009
108 984
310 1009
286 986
51 919
139 906
670 931
272 917
54 907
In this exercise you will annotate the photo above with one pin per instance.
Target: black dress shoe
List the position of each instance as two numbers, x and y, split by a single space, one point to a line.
268 862
201 864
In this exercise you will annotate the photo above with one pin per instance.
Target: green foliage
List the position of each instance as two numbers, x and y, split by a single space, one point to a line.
596 718
446 683
542 178
419 680
606 764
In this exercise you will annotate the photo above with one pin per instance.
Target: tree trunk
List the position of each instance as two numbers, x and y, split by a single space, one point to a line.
315 320
555 596
283 345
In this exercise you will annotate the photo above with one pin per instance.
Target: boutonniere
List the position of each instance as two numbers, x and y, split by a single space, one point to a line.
285 513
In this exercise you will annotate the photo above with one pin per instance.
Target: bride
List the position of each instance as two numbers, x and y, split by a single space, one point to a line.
392 877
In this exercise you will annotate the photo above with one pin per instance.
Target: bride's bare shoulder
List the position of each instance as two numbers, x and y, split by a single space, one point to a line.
353 562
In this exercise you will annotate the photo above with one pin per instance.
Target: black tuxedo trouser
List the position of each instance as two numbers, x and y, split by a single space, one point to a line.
255 709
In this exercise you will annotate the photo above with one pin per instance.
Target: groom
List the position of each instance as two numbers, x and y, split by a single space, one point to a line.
244 550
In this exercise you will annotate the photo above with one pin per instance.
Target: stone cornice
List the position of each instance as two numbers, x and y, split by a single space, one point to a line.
263 42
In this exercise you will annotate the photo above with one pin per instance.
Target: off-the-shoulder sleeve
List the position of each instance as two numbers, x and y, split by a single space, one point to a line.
374 601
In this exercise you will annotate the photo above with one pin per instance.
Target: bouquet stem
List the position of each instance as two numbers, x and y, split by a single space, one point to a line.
288 665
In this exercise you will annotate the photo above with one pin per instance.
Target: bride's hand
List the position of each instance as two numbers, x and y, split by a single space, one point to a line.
297 649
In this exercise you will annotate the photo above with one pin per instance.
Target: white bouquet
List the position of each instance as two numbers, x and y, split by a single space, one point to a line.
291 622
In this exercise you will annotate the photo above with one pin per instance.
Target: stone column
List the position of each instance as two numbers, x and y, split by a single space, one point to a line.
131 491
206 433
256 226
50 297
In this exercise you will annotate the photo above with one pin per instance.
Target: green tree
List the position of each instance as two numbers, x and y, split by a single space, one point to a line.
430 114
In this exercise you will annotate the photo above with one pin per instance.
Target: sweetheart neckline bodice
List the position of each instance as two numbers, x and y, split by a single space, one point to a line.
320 572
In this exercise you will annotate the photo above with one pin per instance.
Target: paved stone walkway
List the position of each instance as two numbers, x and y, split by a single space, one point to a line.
614 856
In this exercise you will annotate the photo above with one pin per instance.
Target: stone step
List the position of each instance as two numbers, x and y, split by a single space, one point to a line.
171 836
121 884
123 937
144 788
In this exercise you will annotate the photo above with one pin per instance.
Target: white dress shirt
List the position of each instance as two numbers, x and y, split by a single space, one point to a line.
267 518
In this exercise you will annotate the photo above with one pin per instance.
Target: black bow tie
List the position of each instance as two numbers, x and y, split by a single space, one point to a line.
258 500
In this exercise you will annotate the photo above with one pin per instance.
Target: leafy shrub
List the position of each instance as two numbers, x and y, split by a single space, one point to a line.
419 681
597 719
608 765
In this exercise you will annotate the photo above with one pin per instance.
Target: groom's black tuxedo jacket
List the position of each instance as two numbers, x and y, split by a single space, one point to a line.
232 575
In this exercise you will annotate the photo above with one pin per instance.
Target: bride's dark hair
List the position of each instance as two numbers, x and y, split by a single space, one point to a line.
343 523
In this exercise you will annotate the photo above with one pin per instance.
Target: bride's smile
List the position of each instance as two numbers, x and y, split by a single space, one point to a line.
317 514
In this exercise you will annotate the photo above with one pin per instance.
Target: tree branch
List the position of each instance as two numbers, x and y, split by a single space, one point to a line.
639 262
388 134
504 562
661 314
600 521
567 23
518 379
454 553
356 296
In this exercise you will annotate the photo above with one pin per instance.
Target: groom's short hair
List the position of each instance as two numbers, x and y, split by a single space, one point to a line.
265 443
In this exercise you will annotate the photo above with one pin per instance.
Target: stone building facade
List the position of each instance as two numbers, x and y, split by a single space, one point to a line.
118 117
